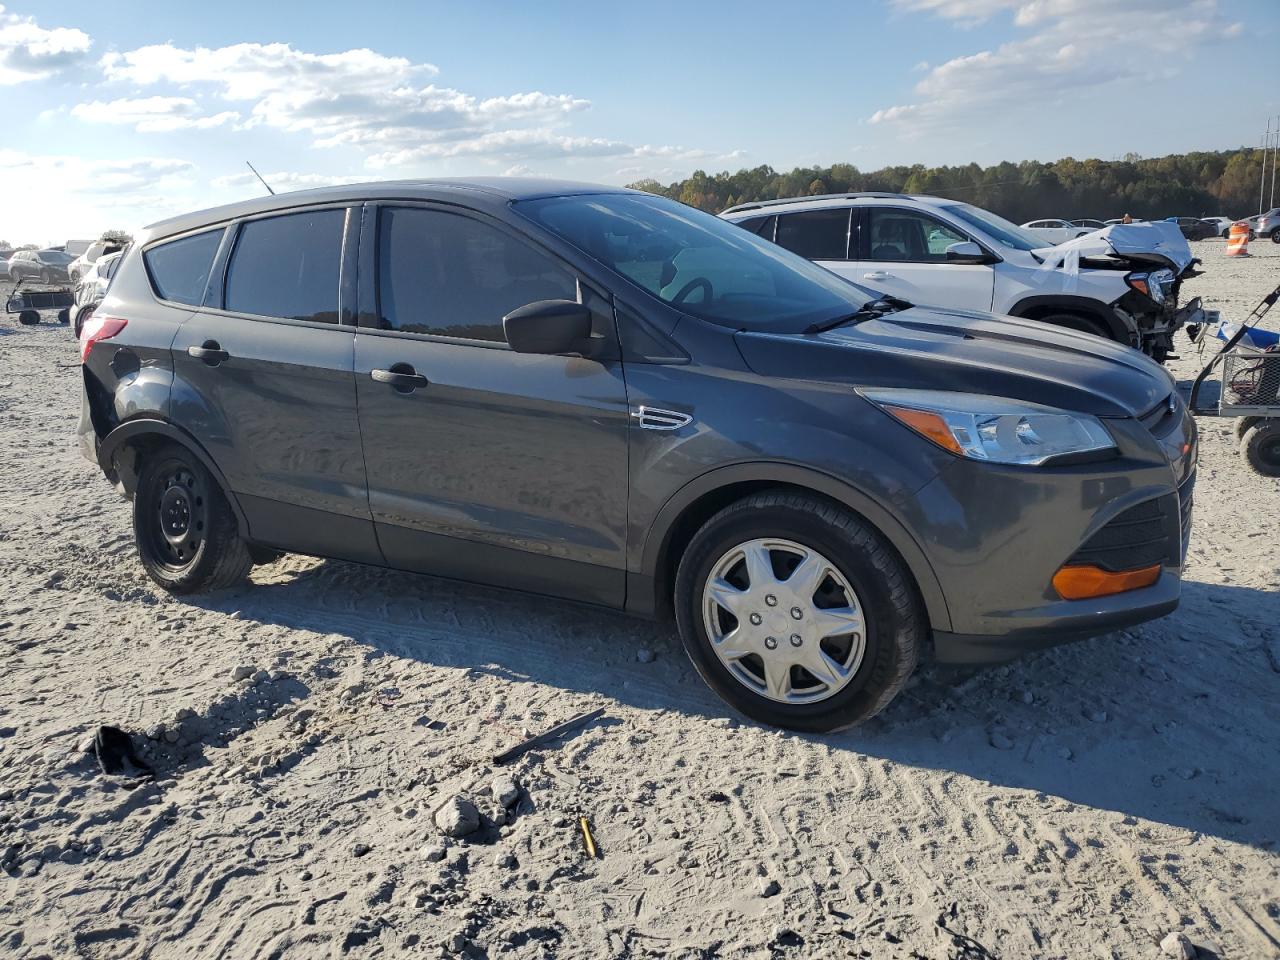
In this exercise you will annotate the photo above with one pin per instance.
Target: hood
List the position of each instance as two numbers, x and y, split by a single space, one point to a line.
1146 244
938 349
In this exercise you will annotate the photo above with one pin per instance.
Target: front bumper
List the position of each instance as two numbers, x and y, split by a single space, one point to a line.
998 535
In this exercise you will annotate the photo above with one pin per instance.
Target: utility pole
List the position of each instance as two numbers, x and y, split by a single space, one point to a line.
1262 182
1275 150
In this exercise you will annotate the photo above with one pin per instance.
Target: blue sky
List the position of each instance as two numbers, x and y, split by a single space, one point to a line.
119 114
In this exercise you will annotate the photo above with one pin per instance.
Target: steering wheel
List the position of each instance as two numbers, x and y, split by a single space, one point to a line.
691 286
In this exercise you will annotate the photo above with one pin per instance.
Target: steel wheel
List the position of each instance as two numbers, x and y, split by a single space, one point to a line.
181 515
784 621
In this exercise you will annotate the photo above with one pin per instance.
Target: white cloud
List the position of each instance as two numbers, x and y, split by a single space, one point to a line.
50 197
29 51
388 108
1071 47
281 181
152 114
358 97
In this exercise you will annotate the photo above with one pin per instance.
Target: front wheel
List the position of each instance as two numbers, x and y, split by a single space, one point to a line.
1261 447
185 531
797 613
46 277
1275 235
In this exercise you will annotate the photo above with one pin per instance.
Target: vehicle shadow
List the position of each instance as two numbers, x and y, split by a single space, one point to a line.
1175 722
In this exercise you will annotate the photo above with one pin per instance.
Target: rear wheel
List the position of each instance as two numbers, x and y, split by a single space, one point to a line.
797 613
1261 447
46 277
1275 235
184 528
1076 322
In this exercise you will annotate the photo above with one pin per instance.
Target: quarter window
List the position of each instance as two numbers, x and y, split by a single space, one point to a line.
760 226
179 269
904 235
816 234
449 275
288 266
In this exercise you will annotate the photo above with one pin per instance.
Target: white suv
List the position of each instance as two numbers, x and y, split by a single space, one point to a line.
928 250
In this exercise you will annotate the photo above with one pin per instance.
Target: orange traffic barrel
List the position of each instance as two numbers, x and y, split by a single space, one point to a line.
1238 240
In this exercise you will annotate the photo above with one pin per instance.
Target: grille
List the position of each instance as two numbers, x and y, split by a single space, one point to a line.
1139 537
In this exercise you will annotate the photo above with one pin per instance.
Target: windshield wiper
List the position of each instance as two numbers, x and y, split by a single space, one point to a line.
870 309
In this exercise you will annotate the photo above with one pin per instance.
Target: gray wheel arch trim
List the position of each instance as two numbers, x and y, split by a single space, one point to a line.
644 590
1085 306
148 426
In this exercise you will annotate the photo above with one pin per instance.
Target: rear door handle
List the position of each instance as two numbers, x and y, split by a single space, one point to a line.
401 376
878 275
210 352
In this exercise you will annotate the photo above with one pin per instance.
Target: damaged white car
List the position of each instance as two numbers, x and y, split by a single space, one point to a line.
1121 282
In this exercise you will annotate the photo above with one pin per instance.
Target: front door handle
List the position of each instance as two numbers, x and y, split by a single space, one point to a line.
210 352
878 275
401 376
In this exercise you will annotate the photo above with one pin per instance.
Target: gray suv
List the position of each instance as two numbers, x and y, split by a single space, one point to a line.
610 397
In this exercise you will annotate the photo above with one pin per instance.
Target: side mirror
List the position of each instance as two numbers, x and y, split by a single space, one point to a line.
548 326
966 251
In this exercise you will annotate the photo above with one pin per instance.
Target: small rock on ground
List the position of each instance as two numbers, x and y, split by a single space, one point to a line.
458 817
1177 945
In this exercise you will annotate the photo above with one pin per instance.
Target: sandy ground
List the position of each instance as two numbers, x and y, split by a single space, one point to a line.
1081 803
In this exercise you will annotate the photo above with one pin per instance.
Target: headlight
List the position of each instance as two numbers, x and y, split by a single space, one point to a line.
1151 284
992 428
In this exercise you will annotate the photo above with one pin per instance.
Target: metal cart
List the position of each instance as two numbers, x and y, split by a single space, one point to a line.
1247 382
29 304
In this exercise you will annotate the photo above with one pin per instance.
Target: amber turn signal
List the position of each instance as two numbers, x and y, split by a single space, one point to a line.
1085 582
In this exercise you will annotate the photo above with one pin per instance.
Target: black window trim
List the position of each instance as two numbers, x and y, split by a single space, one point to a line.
173 238
368 311
216 290
864 236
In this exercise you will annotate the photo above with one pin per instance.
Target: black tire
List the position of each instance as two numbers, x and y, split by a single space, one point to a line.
1226 233
894 621
185 531
1244 425
1261 447
46 277
1275 235
1073 321
29 318
64 316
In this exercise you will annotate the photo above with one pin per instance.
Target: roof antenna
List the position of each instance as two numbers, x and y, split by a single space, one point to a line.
259 176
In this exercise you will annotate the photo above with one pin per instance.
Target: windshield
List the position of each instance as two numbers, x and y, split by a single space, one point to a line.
55 256
697 263
998 228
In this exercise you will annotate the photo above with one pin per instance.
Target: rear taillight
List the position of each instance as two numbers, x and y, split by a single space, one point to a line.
98 328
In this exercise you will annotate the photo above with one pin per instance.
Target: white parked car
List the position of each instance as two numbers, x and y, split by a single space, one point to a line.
1222 223
928 250
1057 231
81 264
92 287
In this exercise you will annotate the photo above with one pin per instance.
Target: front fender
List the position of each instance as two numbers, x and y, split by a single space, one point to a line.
644 598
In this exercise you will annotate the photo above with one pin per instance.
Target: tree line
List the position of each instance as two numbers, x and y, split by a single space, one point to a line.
1198 184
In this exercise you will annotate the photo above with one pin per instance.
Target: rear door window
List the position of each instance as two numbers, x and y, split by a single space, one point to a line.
179 269
288 266
907 236
449 275
816 234
760 226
